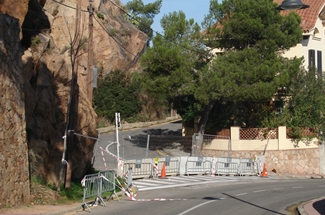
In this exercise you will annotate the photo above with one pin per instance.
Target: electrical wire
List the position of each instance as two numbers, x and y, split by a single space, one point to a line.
135 19
113 37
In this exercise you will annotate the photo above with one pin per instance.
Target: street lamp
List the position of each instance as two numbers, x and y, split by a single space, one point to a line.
292 5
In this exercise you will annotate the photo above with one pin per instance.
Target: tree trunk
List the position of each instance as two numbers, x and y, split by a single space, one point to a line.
202 124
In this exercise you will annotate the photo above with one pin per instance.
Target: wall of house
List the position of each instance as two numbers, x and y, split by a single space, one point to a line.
283 162
281 143
313 41
283 156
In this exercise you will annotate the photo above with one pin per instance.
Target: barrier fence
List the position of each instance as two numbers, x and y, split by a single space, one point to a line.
97 186
198 165
103 183
140 167
172 165
143 168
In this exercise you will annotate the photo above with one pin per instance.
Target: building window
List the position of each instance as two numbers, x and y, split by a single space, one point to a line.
311 58
319 62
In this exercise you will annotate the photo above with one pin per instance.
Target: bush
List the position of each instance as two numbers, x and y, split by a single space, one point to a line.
117 93
100 15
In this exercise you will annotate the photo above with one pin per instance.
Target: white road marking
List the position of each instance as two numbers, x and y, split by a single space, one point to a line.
172 185
297 187
258 191
197 206
240 194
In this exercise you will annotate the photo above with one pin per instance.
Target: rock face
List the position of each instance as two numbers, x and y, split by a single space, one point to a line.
14 172
37 75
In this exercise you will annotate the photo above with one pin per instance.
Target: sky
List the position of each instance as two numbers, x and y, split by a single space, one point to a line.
195 9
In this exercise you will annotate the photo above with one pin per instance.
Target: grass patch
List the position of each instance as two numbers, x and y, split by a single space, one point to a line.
46 194
73 194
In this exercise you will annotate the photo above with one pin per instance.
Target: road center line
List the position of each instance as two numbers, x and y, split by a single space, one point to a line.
240 194
258 191
197 206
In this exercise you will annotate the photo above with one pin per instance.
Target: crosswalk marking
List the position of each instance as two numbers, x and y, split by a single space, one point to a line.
179 181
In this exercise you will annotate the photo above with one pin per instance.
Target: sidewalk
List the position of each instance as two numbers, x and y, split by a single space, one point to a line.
313 207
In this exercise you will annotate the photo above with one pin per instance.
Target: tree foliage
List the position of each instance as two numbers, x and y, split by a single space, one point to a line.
303 105
171 64
250 23
252 34
117 92
142 15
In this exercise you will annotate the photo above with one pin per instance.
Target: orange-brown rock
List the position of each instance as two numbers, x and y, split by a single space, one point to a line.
37 76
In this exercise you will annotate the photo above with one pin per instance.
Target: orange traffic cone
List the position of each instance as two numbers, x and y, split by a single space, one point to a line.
163 171
264 173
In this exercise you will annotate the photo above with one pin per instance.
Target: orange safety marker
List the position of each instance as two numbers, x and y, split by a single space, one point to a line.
264 173
163 171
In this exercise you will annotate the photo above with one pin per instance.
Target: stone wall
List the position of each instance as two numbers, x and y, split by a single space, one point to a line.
14 183
282 162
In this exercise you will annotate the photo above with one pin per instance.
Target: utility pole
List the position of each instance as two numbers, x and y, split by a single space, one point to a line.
91 10
117 125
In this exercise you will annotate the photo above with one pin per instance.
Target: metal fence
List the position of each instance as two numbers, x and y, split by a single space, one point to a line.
143 168
140 167
172 165
227 166
96 186
198 140
198 165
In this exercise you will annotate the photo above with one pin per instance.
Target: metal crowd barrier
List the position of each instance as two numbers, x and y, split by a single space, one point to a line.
246 167
193 165
227 166
140 167
172 165
92 188
108 183
198 165
97 185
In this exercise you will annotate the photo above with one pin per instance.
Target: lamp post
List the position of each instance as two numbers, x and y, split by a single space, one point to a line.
292 5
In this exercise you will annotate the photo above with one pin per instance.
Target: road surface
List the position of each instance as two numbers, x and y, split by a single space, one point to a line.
133 144
246 196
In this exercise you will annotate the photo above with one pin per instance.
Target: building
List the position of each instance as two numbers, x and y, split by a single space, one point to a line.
312 47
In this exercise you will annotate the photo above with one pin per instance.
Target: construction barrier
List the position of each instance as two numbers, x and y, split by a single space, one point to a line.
172 165
198 165
143 168
92 188
227 166
108 183
140 167
246 167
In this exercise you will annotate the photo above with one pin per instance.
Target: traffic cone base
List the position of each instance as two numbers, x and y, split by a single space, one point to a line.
264 173
163 171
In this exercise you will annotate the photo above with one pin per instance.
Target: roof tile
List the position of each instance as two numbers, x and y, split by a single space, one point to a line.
308 15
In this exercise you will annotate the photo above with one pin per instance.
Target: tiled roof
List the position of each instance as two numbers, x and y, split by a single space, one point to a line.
308 15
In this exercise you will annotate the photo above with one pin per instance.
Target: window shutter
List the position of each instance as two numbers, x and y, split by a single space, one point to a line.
319 62
311 58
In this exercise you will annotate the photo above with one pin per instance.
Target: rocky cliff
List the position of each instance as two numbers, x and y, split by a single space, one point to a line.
44 55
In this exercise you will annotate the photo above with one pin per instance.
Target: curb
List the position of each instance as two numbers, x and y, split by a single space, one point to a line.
301 210
78 208
306 207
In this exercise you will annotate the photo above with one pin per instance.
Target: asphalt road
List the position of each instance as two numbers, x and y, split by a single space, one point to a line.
133 144
262 197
